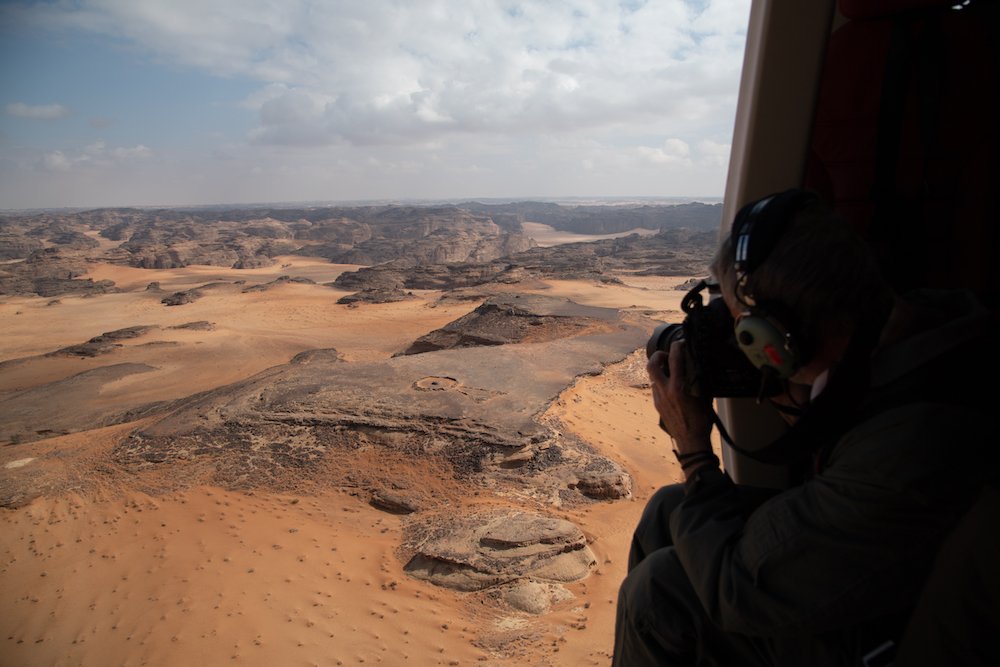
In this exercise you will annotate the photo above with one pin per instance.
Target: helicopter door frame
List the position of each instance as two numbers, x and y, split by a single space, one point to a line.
783 59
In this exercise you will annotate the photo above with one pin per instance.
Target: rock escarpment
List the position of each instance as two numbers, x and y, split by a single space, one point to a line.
473 409
591 219
674 252
413 247
468 416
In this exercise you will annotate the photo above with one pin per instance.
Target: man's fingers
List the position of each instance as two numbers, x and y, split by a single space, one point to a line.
654 367
677 358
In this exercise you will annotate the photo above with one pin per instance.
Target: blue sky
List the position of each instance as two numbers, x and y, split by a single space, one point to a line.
133 102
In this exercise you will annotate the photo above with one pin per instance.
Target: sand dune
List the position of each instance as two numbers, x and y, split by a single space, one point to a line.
115 568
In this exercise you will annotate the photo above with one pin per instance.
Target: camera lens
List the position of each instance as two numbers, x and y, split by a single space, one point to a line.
662 337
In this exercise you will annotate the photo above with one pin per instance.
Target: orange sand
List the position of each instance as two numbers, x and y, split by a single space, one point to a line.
110 575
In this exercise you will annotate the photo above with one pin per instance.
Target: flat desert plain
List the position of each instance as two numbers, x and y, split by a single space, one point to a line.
110 568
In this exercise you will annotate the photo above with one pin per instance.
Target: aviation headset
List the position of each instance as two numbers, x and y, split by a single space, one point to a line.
769 343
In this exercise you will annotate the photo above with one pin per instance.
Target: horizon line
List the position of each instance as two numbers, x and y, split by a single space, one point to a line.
387 201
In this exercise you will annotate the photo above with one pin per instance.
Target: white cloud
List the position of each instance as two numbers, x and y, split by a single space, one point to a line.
43 111
397 71
56 161
97 154
404 98
674 152
713 153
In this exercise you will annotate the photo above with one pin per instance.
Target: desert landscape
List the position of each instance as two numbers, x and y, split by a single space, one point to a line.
330 436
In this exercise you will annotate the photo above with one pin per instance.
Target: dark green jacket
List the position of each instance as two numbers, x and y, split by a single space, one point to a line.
855 542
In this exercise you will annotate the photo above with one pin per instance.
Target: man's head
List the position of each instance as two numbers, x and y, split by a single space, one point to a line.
790 260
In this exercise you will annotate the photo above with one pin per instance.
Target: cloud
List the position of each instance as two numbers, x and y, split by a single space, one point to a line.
41 112
399 72
56 161
713 153
673 152
97 154
400 98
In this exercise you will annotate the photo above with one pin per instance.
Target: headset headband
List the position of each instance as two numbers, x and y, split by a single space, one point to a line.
756 230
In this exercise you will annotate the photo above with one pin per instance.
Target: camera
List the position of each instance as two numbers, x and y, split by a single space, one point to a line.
714 365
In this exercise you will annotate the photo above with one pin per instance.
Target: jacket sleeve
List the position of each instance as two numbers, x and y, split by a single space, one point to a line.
853 543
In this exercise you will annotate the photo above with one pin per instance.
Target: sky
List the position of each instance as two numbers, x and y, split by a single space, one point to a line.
181 102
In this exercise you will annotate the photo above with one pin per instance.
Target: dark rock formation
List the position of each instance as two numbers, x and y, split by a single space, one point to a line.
394 502
280 280
50 272
102 344
17 246
422 235
375 295
181 298
516 318
200 325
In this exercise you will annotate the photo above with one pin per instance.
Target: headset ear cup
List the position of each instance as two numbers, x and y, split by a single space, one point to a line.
767 344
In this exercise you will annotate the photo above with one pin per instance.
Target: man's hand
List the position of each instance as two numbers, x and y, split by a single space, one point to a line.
684 417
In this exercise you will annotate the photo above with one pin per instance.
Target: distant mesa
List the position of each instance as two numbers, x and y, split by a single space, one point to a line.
605 219
671 253
54 248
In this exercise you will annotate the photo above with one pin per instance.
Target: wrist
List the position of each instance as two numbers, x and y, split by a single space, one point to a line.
691 445
691 461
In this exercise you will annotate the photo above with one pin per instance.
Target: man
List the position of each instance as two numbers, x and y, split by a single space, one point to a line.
888 435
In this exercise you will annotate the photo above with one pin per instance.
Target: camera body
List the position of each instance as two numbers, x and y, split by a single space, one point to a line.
714 365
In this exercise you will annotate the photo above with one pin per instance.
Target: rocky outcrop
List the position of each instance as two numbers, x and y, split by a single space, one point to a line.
674 252
50 272
280 280
182 298
516 318
17 246
200 325
103 344
375 295
489 549
415 247
452 406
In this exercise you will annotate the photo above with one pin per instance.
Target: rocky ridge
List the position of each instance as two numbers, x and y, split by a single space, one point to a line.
47 253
